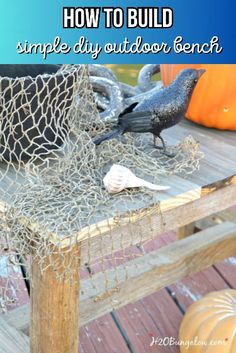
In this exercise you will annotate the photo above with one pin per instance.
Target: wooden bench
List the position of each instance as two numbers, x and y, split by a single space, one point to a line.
57 310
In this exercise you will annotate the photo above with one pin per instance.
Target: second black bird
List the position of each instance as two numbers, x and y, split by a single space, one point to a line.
165 108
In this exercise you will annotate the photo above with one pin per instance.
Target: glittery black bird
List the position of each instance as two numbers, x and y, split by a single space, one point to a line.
163 109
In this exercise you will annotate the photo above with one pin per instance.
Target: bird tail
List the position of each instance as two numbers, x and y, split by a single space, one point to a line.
110 135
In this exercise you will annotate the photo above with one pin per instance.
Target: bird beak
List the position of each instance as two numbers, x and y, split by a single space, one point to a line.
201 72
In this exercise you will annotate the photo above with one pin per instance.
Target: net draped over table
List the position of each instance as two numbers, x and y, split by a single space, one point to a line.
52 177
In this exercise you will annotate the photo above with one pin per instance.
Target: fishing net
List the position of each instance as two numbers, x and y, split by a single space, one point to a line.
51 178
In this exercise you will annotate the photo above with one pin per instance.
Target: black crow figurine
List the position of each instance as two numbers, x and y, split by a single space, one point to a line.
165 108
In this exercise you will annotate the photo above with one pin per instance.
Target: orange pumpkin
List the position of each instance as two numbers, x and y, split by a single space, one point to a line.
209 325
213 103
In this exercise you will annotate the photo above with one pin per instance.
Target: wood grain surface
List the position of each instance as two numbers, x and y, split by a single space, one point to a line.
54 324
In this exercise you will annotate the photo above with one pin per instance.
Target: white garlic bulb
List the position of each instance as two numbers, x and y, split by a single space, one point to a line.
119 178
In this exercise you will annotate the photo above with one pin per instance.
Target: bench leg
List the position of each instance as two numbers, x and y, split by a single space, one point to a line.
54 325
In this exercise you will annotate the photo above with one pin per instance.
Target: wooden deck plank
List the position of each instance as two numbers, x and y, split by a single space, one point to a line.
11 279
195 286
227 270
85 344
165 314
12 340
148 318
102 336
19 318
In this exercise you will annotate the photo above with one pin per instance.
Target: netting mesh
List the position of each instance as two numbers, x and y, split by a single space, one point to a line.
51 179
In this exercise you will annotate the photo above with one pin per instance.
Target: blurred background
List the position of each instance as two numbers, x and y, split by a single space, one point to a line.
129 73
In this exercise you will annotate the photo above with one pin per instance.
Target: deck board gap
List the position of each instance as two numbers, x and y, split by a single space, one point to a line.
223 277
24 271
122 332
175 300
